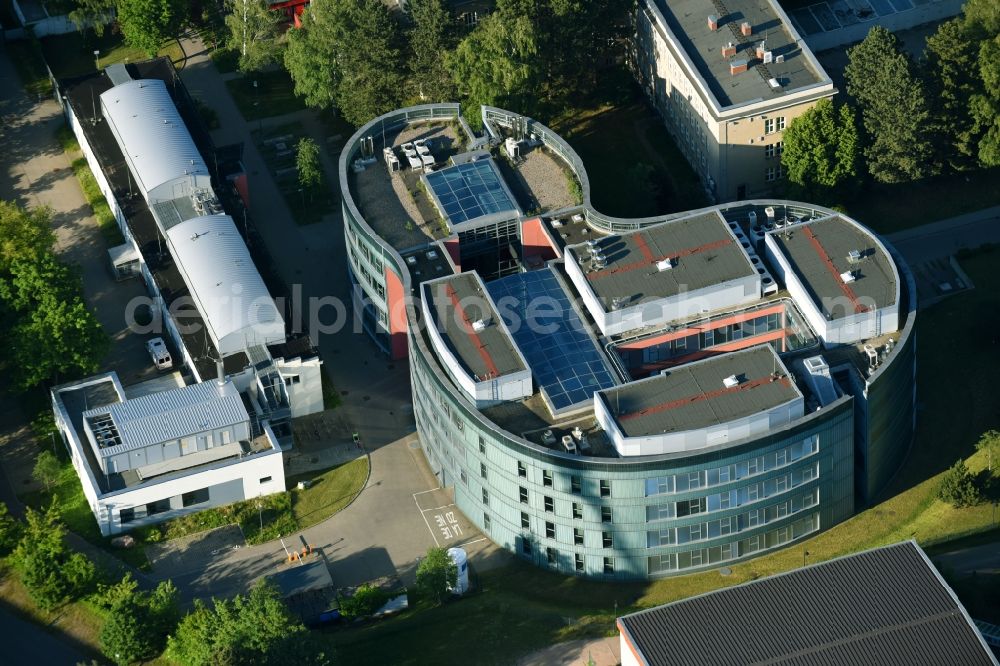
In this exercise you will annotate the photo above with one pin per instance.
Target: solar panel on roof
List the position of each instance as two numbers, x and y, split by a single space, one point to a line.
469 190
563 359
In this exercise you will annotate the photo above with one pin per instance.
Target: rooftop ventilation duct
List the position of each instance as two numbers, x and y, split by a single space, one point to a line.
731 382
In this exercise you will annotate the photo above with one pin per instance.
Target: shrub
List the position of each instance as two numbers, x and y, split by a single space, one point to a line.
436 573
958 487
366 600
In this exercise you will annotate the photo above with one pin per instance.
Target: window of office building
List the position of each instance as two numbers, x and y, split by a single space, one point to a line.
158 506
486 496
525 521
195 497
482 470
578 561
577 536
550 555
605 488
523 494
549 507
547 478
769 126
607 540
606 514
521 471
609 565
525 547
126 515
482 445
550 530
781 123
486 521
574 484
577 511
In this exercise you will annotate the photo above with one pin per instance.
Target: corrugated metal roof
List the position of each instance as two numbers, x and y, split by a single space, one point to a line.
883 606
170 415
225 284
151 134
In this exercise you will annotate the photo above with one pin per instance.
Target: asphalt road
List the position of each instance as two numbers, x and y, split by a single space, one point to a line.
984 559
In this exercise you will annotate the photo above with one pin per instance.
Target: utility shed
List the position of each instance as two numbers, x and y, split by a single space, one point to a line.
225 285
156 144
884 606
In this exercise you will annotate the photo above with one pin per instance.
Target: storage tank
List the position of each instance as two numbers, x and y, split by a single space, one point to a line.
461 560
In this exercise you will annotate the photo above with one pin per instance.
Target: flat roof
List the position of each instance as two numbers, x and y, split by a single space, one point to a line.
886 606
694 396
457 303
688 20
563 354
703 250
818 253
471 190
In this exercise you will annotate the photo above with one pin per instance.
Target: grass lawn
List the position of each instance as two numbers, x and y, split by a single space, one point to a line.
73 54
328 493
635 169
274 95
522 608
278 147
890 208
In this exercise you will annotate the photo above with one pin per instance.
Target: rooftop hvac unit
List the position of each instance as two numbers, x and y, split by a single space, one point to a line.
769 211
774 83
779 59
847 277
479 325
854 256
768 57
664 264
731 381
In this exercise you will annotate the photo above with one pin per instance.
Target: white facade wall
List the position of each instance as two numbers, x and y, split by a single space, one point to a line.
304 384
628 657
843 330
691 440
512 386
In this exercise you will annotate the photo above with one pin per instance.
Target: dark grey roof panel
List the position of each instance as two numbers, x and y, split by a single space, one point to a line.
883 606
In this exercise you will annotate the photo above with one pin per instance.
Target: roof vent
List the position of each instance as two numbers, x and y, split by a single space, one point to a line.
848 277
779 59
479 325
665 264
854 256
732 381
774 83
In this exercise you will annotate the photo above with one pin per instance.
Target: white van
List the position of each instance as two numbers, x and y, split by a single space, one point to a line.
158 351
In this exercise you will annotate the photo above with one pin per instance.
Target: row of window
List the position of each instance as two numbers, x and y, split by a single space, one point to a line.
772 125
731 524
192 498
774 173
733 498
707 478
362 271
716 336
774 149
707 556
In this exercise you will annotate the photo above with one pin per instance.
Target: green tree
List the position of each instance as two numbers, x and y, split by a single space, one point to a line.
894 108
307 164
346 55
51 572
952 54
10 530
91 14
25 234
985 105
495 65
47 469
990 443
138 621
252 629
820 150
253 30
146 24
435 574
958 487
431 38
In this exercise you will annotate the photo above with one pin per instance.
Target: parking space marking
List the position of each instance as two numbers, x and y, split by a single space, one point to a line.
424 516
447 523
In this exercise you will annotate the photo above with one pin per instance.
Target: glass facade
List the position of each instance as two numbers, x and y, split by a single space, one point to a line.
642 517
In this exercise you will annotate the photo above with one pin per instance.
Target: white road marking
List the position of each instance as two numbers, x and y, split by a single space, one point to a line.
423 492
424 516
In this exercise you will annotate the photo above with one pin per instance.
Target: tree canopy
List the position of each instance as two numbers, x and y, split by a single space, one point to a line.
347 55
435 574
146 24
253 30
894 108
431 38
138 621
46 330
251 629
307 163
820 152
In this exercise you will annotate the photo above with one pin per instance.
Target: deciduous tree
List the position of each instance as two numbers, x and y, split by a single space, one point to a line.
51 572
10 530
25 234
307 163
431 38
990 443
435 574
820 150
146 24
47 469
253 30
138 622
894 108
958 487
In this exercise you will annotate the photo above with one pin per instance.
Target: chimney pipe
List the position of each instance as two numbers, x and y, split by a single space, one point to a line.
221 372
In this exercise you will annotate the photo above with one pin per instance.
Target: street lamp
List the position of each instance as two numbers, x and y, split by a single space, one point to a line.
805 554
97 59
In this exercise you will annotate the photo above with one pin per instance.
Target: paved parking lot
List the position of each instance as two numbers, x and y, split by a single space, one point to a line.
448 526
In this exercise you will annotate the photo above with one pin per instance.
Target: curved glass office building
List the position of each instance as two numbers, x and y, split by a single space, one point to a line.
624 398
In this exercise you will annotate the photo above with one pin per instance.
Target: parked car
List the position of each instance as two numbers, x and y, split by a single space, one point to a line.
158 351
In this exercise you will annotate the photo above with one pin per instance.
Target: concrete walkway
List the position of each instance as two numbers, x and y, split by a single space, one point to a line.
599 652
939 240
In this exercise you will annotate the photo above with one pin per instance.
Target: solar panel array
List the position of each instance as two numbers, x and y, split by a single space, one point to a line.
470 190
564 360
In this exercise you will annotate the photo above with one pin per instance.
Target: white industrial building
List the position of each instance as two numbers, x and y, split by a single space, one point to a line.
151 458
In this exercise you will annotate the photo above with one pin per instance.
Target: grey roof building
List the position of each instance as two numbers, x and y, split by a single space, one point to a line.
883 606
